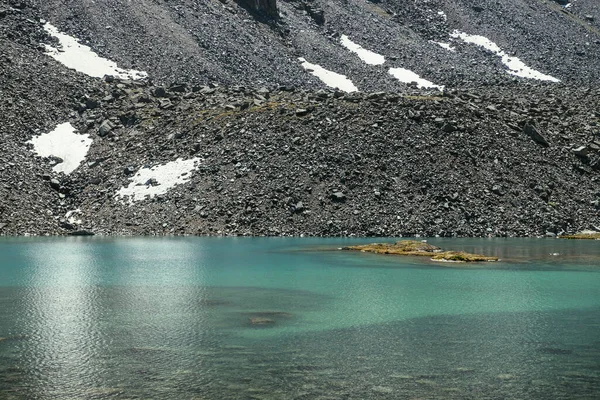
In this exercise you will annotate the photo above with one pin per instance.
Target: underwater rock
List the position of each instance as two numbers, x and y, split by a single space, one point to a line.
555 350
261 321
267 314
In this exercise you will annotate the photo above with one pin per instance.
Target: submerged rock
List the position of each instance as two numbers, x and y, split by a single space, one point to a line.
261 321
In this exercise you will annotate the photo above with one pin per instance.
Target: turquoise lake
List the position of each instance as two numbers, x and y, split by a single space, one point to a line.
296 318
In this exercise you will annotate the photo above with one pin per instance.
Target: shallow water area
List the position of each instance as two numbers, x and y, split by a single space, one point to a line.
170 318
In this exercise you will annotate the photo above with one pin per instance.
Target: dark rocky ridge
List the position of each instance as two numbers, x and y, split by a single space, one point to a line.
297 161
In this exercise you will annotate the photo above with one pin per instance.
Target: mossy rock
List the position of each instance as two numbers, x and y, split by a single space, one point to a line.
402 247
416 248
462 256
583 235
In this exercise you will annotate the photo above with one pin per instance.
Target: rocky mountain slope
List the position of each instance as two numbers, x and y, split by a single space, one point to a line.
220 41
271 150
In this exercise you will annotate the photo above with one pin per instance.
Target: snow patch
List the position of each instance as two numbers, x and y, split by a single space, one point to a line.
330 78
63 142
149 182
407 76
81 58
443 15
515 65
446 46
367 56
71 217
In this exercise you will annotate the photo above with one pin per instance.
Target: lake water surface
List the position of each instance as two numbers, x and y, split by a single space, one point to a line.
270 318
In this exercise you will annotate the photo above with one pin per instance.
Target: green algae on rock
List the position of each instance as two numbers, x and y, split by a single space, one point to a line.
416 248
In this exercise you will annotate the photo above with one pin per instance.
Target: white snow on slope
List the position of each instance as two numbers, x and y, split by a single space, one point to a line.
149 182
367 56
514 64
446 46
81 58
65 143
330 78
407 76
443 15
71 217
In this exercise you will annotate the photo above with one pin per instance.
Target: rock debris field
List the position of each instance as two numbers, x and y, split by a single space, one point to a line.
510 149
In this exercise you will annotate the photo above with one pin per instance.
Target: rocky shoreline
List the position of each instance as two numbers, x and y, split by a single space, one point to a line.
296 162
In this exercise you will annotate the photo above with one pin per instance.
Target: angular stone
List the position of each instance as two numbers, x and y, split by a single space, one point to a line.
105 128
338 197
534 134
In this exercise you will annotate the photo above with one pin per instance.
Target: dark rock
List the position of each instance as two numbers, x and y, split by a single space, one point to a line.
165 103
534 134
82 233
177 88
91 104
316 13
448 128
105 128
159 92
497 190
55 184
338 197
582 151
302 112
129 170
262 7
66 225
54 160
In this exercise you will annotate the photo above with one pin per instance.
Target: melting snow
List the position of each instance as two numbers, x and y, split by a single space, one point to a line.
149 182
367 56
65 143
81 58
331 79
443 15
407 76
446 46
514 64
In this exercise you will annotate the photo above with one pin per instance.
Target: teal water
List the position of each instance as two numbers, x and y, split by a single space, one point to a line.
268 318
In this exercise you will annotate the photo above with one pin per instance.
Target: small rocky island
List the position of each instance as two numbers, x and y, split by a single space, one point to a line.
416 248
586 235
